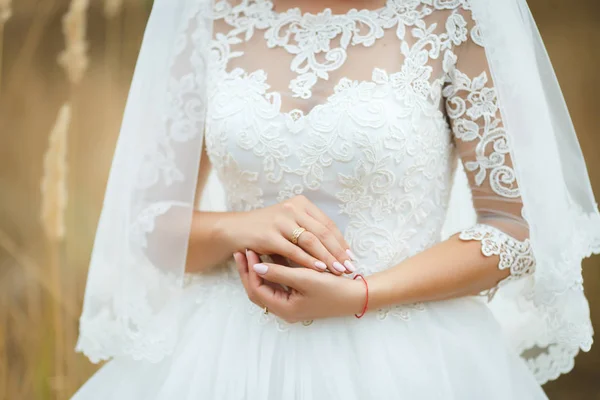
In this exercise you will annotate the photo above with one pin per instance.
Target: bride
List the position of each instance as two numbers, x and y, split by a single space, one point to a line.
351 256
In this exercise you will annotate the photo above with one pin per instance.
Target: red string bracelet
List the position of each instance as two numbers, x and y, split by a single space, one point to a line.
364 310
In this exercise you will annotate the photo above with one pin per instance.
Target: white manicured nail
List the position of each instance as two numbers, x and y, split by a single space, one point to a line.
350 266
339 267
320 265
260 268
351 255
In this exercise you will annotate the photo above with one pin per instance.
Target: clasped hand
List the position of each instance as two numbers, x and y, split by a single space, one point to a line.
318 290
270 230
305 295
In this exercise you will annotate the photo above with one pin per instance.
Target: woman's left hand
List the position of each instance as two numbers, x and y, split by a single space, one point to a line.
311 294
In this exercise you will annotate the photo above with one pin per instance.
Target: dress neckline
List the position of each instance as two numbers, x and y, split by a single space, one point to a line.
269 6
318 42
325 11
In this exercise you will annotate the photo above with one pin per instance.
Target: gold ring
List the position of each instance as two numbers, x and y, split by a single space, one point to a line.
296 234
266 311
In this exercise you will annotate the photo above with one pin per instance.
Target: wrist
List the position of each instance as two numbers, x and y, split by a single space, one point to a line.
385 290
357 296
224 231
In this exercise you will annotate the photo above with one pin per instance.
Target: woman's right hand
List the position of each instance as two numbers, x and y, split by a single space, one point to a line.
269 231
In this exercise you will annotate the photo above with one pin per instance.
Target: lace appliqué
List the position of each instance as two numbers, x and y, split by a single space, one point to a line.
145 222
309 37
483 125
515 255
403 312
320 42
243 194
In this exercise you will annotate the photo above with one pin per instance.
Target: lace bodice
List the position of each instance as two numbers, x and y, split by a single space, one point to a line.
365 114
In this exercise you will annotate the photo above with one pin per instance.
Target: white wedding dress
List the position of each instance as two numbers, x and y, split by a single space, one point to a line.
364 113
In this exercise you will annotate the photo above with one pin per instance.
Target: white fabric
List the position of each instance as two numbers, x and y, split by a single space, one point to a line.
427 352
364 113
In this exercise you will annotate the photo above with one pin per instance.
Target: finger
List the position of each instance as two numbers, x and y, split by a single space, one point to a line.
255 258
320 216
265 293
277 300
252 257
323 259
298 255
279 259
242 267
255 283
322 243
253 279
290 277
311 244
241 264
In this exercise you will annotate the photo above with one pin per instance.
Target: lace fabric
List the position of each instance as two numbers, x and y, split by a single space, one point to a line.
387 123
516 256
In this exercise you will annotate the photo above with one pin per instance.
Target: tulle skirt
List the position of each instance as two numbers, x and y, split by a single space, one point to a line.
230 350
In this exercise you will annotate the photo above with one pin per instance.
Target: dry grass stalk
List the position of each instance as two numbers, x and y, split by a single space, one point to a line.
74 57
5 14
23 60
25 333
32 271
74 60
54 202
112 8
4 370
54 179
5 11
60 372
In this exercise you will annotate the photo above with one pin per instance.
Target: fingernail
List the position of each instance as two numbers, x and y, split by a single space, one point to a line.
351 255
247 252
260 268
236 255
339 267
320 265
350 266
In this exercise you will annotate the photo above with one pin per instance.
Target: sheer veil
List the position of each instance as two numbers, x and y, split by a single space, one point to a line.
546 316
137 266
136 277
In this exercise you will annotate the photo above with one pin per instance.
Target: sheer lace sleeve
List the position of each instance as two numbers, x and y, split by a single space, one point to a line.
484 149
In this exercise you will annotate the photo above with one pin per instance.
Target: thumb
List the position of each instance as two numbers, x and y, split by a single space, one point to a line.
291 277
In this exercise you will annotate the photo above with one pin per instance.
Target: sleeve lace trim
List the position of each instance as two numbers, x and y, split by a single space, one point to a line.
516 256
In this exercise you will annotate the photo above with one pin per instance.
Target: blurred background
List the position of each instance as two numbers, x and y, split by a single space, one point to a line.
65 69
